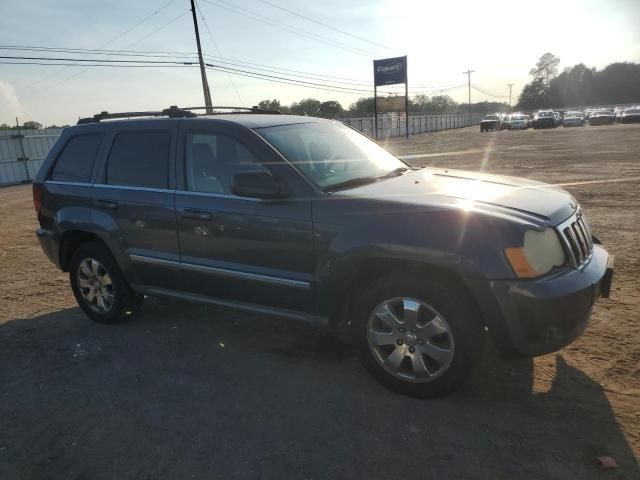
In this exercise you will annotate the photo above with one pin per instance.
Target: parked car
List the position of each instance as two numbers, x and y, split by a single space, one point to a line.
573 119
505 120
545 119
309 219
617 114
518 122
490 122
601 117
630 115
559 116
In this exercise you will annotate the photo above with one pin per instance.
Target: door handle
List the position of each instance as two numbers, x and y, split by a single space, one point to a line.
112 204
197 214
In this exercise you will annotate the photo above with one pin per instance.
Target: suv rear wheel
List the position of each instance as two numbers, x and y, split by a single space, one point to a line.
99 286
417 336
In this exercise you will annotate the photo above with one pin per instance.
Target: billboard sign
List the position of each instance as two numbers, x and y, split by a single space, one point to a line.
391 104
390 71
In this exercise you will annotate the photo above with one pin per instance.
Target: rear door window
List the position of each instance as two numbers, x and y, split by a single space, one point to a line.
75 162
140 159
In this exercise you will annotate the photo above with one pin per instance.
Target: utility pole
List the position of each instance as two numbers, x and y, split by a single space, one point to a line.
203 73
510 85
468 74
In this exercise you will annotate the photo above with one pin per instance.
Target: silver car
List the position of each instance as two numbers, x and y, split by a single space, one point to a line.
573 119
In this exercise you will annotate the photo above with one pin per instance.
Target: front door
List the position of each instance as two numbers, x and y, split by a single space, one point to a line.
234 248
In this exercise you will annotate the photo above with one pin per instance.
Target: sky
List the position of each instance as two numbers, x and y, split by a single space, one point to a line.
499 40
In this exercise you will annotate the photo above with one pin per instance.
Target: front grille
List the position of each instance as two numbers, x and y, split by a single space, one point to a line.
577 240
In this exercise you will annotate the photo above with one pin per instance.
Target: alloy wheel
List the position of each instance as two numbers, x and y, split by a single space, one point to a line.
96 286
410 339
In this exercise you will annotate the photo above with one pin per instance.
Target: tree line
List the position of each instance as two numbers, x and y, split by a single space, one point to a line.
579 85
30 125
434 105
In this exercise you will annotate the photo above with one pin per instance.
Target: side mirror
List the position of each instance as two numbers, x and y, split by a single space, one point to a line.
257 184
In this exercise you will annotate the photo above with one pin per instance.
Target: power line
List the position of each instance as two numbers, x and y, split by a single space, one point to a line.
66 64
117 37
92 60
475 87
317 22
226 60
261 18
157 29
129 46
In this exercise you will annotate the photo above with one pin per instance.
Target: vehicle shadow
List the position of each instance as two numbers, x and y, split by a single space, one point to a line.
194 391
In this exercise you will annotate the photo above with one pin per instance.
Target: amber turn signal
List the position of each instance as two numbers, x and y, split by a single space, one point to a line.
519 262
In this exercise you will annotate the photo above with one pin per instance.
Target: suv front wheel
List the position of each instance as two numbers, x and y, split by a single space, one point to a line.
99 286
417 336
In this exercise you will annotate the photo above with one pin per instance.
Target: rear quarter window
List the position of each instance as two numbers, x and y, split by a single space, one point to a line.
75 162
140 159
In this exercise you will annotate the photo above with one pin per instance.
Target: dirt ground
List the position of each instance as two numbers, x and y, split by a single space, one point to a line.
190 391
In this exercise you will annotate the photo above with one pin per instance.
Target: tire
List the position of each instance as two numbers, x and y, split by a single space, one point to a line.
449 328
93 269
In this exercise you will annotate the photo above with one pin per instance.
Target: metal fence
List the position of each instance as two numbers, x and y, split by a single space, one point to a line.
22 152
395 126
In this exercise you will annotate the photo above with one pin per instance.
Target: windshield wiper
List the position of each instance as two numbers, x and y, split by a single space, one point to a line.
353 182
395 172
356 182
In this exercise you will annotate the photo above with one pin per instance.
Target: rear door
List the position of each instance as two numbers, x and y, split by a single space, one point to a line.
235 248
134 200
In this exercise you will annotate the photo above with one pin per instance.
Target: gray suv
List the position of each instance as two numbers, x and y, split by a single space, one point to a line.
309 219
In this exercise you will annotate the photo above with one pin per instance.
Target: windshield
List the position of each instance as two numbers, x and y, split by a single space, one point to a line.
545 114
490 117
329 153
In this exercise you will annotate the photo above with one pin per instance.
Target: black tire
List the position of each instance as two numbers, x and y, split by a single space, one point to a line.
451 302
125 301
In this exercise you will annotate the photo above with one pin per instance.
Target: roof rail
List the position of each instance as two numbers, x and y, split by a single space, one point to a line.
173 112
254 109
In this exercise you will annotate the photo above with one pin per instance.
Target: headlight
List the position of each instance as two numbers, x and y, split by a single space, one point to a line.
540 253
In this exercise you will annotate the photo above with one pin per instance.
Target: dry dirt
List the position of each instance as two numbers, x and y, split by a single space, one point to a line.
181 392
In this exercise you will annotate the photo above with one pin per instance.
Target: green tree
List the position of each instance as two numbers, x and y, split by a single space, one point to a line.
546 70
533 96
4 126
308 106
273 105
420 103
441 104
362 105
31 125
330 108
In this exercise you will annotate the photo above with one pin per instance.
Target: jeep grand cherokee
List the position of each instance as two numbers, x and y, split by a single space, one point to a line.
309 219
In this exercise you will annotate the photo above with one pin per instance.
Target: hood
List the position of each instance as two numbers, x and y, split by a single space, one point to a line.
429 187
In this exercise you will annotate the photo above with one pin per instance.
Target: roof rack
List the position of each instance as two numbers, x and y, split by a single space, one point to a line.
174 112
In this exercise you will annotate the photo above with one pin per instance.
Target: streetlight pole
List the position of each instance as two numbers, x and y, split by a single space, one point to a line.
468 74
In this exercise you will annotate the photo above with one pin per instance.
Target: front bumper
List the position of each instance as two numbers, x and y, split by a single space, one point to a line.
543 315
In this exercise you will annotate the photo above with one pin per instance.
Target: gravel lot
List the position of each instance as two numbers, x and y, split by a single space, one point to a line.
190 391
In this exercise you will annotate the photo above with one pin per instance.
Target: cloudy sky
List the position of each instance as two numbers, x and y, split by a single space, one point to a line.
500 40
